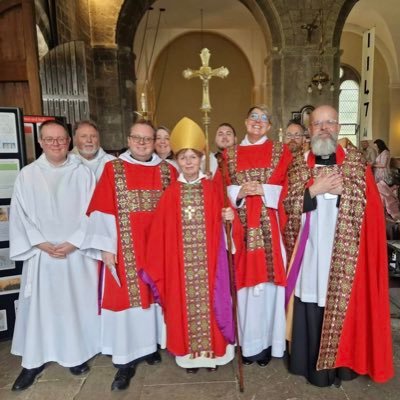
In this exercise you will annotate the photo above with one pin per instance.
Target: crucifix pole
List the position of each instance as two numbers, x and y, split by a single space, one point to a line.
205 73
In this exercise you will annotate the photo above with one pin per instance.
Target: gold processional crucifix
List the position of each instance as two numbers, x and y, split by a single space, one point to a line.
205 73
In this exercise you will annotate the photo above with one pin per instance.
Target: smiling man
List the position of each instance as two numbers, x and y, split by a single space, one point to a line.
294 136
57 315
87 147
337 288
121 211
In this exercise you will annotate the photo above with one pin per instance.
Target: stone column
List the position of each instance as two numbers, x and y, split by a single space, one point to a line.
108 97
127 86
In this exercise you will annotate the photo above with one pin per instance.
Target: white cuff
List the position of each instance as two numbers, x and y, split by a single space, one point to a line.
233 192
272 193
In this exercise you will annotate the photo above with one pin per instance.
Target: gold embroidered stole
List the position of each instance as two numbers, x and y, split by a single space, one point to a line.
298 176
128 201
196 270
344 256
256 237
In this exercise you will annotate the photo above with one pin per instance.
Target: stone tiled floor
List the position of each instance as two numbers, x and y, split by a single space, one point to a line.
168 381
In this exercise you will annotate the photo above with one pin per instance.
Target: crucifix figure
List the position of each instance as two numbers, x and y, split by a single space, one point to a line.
205 73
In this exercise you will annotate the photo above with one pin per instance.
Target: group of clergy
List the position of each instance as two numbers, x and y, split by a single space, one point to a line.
139 261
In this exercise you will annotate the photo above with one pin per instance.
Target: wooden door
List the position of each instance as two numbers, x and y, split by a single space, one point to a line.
19 71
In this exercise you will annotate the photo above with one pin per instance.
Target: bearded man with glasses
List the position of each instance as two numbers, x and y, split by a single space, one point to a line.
57 311
257 184
294 136
121 212
337 292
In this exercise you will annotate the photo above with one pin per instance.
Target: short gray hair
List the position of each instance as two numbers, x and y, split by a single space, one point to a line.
89 122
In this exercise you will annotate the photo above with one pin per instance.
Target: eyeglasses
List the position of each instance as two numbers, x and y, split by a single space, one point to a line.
294 135
258 117
141 139
330 123
50 140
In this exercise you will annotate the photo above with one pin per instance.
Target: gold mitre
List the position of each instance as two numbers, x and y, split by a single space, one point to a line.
187 135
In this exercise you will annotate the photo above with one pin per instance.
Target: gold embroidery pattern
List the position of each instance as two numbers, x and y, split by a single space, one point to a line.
131 201
255 239
196 270
344 256
165 174
298 176
143 200
260 237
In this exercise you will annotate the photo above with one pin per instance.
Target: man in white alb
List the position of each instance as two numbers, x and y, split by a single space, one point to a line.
57 315
86 140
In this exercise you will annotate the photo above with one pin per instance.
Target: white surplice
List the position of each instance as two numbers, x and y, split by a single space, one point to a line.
312 282
261 309
96 164
133 333
57 311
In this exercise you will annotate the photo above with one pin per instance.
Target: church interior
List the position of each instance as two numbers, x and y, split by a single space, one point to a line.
122 54
114 61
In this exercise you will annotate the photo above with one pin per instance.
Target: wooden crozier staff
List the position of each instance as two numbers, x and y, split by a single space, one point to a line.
205 73
232 281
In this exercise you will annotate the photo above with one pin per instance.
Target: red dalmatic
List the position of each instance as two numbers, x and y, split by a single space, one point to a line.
129 192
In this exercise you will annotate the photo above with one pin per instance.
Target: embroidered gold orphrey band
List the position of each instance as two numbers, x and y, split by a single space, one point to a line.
133 201
256 237
298 176
344 256
346 243
196 270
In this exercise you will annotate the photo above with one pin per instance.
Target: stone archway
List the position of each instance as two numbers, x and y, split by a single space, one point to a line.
174 97
132 11
291 60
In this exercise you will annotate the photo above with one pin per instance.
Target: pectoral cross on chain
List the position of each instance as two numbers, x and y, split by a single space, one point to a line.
189 211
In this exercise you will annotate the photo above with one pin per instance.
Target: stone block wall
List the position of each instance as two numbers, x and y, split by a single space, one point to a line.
108 98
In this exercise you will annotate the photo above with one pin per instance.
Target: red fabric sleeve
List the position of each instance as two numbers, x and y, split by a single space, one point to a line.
103 198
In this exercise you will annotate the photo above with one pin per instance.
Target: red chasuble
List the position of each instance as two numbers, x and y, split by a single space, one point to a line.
356 331
129 192
261 261
365 343
182 263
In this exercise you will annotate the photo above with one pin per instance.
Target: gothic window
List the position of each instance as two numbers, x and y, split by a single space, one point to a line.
349 103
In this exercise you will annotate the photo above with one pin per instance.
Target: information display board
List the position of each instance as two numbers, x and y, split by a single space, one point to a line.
12 159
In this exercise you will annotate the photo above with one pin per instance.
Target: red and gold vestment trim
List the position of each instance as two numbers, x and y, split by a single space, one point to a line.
346 242
256 237
196 270
129 201
344 256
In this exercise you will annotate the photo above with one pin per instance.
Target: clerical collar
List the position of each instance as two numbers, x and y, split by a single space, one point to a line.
326 160
182 179
246 141
150 159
